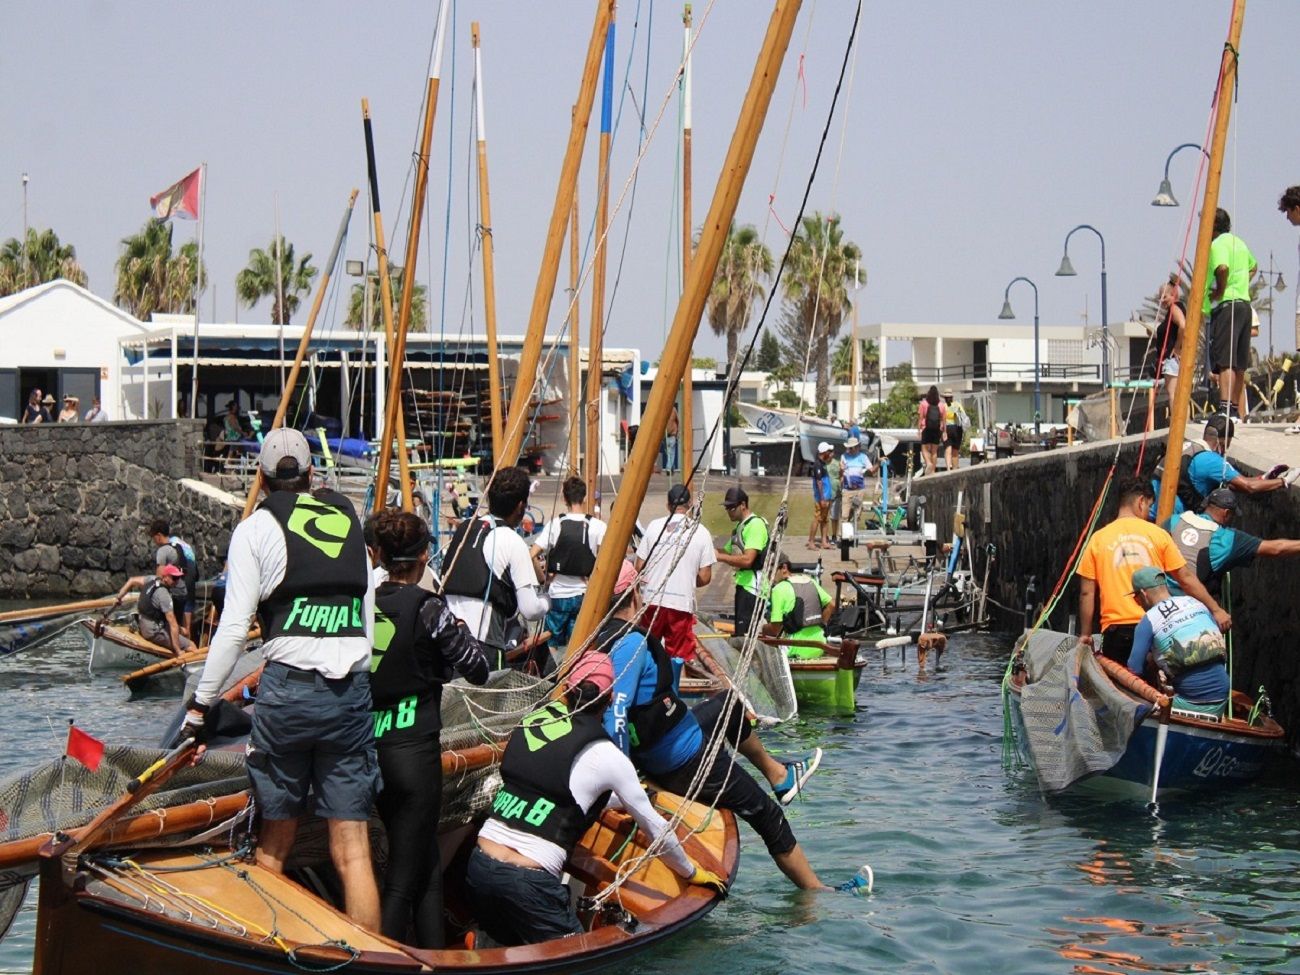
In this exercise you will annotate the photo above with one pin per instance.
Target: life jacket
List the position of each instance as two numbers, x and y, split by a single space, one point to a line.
325 575
1192 533
1184 635
649 722
146 608
471 574
1191 498
571 555
932 414
738 546
405 682
534 797
807 607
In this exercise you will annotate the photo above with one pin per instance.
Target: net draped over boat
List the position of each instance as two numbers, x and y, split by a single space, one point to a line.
766 685
1077 723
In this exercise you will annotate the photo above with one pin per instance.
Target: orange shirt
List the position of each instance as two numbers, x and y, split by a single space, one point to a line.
1114 553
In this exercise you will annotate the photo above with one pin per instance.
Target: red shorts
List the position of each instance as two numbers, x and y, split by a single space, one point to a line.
674 627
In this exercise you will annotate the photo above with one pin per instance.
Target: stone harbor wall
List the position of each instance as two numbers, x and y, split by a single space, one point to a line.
1033 508
76 501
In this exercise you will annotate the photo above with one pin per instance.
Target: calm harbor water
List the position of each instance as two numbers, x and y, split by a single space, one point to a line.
975 872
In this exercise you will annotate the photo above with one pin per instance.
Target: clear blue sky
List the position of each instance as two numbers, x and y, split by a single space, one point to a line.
977 135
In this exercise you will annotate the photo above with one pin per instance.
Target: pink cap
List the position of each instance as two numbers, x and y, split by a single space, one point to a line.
174 571
594 667
626 578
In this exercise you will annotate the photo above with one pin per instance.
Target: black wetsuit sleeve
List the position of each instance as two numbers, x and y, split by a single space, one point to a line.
453 641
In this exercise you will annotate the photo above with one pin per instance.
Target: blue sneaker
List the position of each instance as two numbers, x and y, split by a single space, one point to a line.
797 774
860 884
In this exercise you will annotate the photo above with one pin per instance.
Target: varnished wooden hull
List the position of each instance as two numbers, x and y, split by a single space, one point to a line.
107 926
117 647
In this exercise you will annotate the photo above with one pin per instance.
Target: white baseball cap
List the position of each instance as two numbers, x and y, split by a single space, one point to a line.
285 454
823 447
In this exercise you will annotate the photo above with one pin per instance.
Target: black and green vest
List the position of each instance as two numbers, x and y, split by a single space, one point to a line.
534 796
325 574
648 721
404 687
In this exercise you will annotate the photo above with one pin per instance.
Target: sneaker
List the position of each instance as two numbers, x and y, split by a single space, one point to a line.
797 774
1291 476
860 884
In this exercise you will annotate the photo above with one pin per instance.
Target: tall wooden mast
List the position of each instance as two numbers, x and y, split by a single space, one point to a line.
575 364
304 344
1189 353
596 345
517 417
489 268
685 443
686 320
393 405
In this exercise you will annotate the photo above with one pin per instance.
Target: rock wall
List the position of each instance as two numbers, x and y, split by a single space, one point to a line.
76 501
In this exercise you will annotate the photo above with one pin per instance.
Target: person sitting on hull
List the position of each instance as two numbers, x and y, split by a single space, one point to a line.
558 771
1213 547
669 742
419 645
156 610
488 575
1182 638
800 609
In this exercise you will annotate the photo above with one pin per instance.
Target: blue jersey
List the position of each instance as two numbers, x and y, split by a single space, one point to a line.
1209 470
635 679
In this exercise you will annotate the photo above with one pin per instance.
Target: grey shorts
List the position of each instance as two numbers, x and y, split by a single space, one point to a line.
1230 336
313 733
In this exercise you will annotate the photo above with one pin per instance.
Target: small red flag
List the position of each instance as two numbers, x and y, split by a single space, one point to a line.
180 199
86 749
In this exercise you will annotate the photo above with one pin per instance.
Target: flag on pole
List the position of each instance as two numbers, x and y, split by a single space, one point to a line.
180 200
86 749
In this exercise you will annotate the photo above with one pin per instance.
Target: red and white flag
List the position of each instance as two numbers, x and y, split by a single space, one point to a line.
180 200
86 749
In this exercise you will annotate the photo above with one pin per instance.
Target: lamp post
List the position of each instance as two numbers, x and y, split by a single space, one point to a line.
1275 284
1007 313
24 280
1066 270
1165 195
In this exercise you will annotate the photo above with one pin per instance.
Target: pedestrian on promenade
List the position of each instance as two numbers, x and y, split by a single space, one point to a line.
932 422
821 490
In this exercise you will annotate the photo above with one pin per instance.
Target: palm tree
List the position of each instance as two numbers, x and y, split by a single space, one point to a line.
258 280
44 259
357 304
150 278
745 262
842 361
817 284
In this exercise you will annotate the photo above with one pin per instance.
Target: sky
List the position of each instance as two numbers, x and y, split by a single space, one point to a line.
969 139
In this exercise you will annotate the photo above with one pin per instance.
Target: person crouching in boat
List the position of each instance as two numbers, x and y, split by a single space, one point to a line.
799 610
156 609
417 645
1183 639
557 773
670 742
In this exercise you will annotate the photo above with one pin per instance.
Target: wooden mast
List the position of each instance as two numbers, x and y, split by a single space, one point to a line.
685 444
1189 352
855 360
596 345
517 417
489 267
393 403
686 320
303 344
575 364
381 252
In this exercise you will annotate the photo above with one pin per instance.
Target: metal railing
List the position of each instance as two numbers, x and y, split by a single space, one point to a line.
994 372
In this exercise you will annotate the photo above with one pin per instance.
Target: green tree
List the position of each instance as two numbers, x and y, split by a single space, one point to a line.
45 258
357 304
744 264
769 353
151 278
258 280
817 285
842 361
899 408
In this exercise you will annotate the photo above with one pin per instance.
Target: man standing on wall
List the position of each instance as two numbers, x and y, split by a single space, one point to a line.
1227 303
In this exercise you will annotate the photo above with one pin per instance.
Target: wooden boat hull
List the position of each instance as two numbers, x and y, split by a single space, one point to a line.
116 647
215 921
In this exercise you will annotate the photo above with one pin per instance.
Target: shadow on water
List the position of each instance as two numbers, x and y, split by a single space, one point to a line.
975 871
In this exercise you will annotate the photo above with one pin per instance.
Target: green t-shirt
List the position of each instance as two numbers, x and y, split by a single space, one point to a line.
833 472
1230 251
753 534
783 597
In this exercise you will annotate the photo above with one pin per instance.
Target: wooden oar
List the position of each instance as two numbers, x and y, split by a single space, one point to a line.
62 609
143 785
137 677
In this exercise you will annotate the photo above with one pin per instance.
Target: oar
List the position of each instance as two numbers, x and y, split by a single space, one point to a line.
1162 734
143 785
895 641
62 609
137 677
102 620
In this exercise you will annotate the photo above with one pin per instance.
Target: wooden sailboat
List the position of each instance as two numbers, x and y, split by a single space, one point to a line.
1171 748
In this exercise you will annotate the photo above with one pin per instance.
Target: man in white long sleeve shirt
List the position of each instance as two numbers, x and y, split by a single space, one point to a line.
488 574
300 562
558 770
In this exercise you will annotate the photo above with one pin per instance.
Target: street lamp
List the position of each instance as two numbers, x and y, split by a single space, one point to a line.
1066 270
1275 283
1007 313
1165 195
